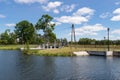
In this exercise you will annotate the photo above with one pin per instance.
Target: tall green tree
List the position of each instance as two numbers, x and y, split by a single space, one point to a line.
24 31
44 23
8 38
5 37
12 38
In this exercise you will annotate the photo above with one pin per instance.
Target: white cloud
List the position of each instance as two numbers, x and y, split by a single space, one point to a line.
116 31
2 16
90 29
114 37
56 11
84 11
117 11
117 3
72 19
68 8
56 23
52 6
105 15
30 1
10 25
115 34
82 15
116 16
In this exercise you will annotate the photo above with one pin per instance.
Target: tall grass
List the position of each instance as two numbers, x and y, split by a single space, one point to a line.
66 51
13 47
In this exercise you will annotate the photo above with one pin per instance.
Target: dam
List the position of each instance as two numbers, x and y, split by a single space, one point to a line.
98 53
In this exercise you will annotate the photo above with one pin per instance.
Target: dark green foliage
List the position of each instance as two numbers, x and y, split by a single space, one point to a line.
44 23
24 31
86 41
8 38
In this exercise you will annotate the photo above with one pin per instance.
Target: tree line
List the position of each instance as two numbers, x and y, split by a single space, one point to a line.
26 32
89 41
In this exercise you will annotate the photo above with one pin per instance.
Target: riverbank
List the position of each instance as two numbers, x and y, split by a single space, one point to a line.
13 47
65 51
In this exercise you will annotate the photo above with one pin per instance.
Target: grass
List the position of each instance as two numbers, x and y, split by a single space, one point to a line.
97 47
68 51
13 47
65 51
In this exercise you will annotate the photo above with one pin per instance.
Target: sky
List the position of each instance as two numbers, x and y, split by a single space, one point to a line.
91 18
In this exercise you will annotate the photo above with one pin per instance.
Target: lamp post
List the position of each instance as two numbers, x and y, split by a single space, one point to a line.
108 29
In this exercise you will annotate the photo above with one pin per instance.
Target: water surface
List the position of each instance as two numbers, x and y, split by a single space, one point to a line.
16 66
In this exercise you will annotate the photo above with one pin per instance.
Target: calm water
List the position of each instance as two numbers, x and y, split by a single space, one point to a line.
15 66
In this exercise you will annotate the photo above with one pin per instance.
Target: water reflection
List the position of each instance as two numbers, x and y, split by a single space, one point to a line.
16 66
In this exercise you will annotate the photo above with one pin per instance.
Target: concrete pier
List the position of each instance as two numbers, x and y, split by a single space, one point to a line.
116 53
98 53
109 53
81 53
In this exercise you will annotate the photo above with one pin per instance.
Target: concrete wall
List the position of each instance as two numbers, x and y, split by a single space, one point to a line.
109 53
81 53
116 53
97 53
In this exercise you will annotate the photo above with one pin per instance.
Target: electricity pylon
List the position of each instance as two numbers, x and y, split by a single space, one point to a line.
73 35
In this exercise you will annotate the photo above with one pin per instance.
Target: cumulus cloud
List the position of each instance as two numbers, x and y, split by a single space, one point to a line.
90 29
2 16
80 16
84 11
72 19
52 6
10 25
56 23
30 1
116 14
115 34
68 8
56 11
117 3
105 15
116 31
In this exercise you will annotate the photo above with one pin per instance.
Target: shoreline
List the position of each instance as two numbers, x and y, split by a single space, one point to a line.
64 51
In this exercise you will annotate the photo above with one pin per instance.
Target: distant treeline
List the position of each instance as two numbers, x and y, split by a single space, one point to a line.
88 41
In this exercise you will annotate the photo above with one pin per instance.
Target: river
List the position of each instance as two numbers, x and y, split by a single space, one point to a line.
16 66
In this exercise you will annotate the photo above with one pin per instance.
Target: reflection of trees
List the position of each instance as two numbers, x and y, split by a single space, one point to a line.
35 67
25 66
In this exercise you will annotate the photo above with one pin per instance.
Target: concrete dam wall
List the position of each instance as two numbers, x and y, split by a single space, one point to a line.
98 53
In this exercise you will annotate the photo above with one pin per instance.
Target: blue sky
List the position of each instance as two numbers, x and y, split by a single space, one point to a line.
90 17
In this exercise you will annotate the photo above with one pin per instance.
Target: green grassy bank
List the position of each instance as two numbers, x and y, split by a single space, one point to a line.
13 47
65 51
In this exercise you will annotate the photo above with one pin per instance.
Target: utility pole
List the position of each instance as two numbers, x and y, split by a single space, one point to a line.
73 34
108 29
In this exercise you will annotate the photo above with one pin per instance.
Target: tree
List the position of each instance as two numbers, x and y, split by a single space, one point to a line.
8 38
24 31
51 37
5 37
44 23
12 38
86 41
